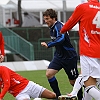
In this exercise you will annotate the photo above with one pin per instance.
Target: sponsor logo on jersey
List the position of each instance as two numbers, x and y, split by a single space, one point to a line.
92 6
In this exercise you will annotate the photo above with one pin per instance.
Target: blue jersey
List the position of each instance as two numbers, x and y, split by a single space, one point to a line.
61 42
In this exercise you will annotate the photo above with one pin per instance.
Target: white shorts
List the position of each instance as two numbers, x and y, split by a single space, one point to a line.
90 67
32 90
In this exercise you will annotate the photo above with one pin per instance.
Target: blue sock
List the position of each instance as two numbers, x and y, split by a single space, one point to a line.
54 85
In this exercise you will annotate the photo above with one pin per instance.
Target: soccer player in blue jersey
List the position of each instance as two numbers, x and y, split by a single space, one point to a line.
65 55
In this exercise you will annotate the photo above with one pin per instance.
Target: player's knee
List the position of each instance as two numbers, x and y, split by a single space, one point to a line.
90 81
53 95
49 75
48 94
88 88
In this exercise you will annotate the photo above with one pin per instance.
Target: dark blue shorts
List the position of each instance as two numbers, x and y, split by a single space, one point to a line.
69 66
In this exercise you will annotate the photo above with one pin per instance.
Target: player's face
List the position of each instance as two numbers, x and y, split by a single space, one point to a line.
49 21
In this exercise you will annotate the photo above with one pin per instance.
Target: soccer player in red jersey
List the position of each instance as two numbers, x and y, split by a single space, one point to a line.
1 48
88 17
20 87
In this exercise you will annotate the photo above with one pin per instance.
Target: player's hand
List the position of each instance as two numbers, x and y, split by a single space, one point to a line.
1 58
44 44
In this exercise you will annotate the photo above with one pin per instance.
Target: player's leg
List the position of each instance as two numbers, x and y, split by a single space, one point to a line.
93 92
77 86
90 71
34 90
86 96
53 81
48 94
72 72
50 73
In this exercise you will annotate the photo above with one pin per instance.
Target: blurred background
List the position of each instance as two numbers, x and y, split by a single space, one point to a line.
23 27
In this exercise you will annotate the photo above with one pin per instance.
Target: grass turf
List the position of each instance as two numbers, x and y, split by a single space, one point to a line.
39 77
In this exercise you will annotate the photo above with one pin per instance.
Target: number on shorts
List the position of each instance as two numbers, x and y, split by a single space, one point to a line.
73 72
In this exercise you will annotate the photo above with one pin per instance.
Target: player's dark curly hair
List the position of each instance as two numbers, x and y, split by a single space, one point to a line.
50 12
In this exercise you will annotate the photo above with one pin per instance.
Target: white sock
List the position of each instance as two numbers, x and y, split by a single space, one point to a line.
93 91
78 84
86 96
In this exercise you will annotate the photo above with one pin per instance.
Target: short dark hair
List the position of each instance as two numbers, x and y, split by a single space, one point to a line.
50 12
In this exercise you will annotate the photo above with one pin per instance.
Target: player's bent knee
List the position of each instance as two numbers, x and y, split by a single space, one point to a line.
53 95
49 76
48 94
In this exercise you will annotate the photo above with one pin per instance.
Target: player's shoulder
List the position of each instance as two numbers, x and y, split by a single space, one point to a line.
3 67
83 5
58 24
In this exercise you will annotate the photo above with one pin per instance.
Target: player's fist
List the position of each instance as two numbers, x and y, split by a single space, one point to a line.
1 58
44 44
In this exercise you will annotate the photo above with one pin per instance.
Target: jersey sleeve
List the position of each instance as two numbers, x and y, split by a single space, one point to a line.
6 81
2 44
73 20
59 37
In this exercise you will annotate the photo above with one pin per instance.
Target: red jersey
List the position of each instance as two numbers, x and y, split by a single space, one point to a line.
1 44
11 82
88 17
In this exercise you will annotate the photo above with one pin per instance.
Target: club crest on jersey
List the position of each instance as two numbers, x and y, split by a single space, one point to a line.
53 38
53 30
